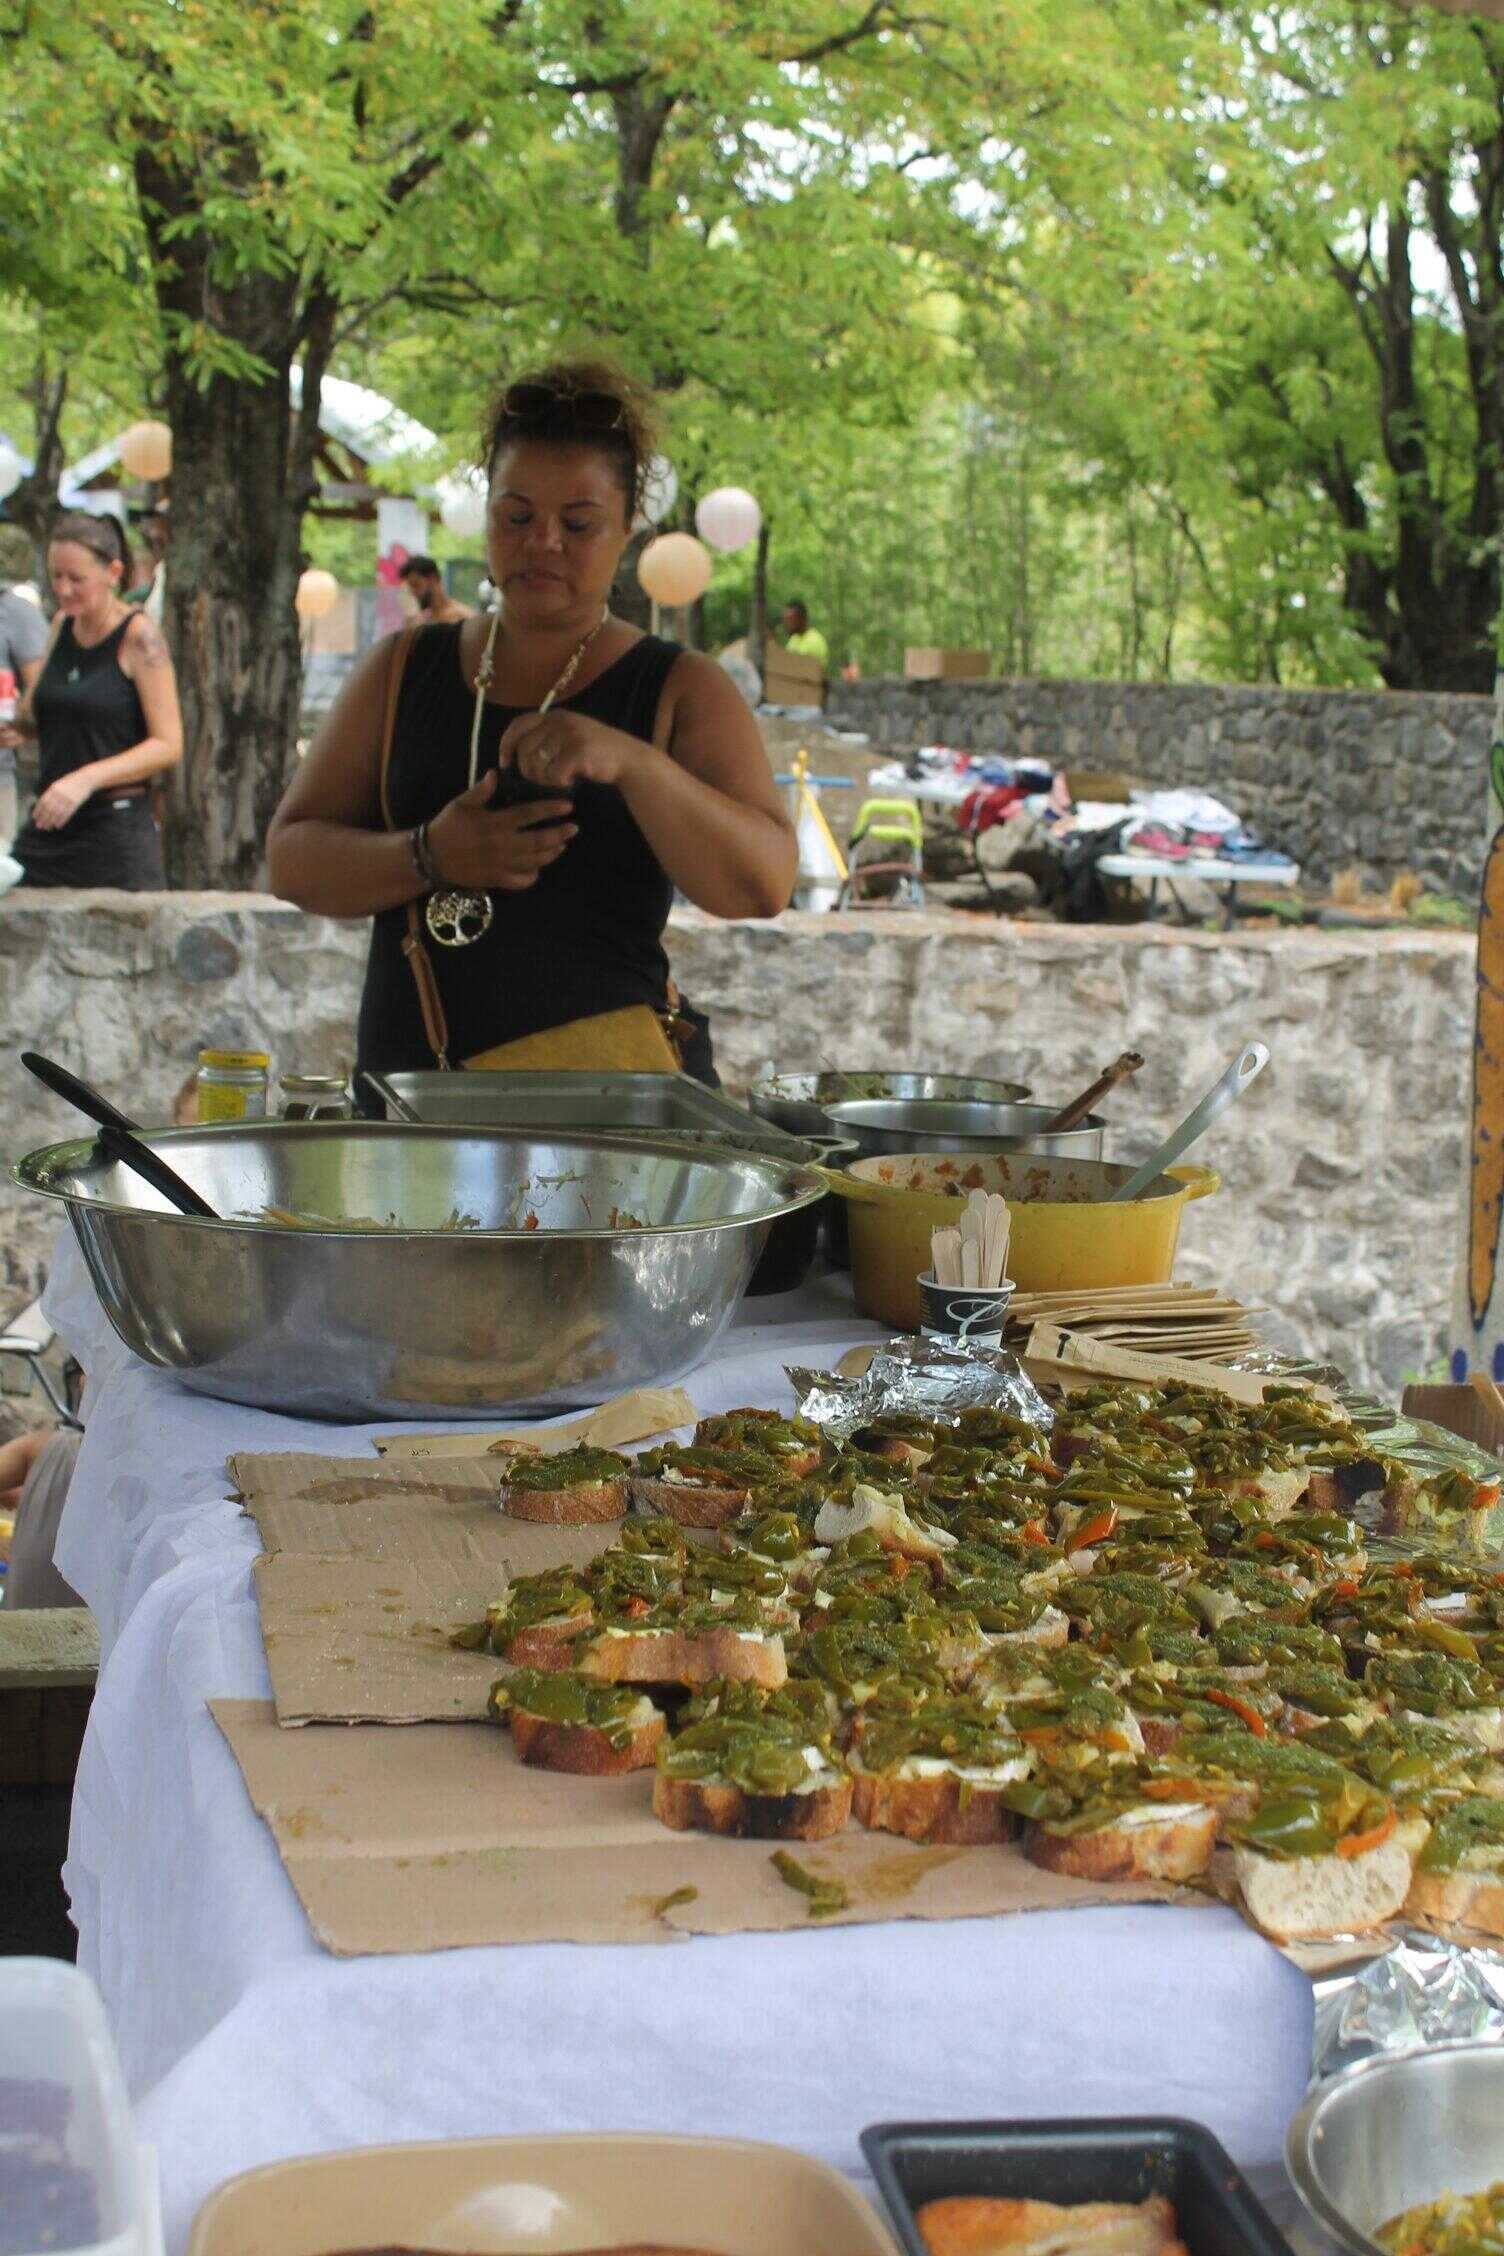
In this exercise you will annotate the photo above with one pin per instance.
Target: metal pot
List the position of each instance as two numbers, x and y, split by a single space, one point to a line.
1394 2132
800 1102
594 1264
794 1239
920 1124
1065 1230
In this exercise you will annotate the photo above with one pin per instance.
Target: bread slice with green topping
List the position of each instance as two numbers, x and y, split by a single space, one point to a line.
690 1652
1136 1839
699 1487
566 1721
935 1769
761 1778
1459 1875
1323 1860
575 1488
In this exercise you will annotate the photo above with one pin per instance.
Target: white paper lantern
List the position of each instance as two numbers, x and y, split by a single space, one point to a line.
11 472
660 490
318 592
728 518
674 568
146 450
463 511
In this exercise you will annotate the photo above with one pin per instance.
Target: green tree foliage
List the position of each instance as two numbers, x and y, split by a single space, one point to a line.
1139 339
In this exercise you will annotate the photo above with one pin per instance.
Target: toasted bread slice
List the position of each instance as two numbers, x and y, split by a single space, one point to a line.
1301 1899
969 2225
1459 1899
709 1805
952 1810
690 1503
583 1748
675 1656
576 1504
549 1644
1158 1841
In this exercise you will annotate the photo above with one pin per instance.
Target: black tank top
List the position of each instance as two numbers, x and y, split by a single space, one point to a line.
587 937
84 707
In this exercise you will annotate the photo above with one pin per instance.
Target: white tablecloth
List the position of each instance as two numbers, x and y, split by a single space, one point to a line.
243 2042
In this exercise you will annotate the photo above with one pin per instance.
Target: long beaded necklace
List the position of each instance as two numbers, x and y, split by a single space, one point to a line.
457 918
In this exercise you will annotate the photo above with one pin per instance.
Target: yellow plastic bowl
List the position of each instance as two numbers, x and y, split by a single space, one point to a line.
1066 1234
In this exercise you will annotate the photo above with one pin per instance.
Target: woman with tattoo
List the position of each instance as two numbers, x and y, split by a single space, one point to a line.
104 712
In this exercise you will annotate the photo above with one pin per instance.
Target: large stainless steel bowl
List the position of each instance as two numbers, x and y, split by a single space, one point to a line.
800 1102
926 1124
1390 2133
583 1264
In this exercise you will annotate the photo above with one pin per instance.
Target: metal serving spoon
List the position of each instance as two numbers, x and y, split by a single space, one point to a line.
117 1136
1246 1066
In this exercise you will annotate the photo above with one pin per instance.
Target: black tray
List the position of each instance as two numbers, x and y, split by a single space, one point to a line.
1112 2158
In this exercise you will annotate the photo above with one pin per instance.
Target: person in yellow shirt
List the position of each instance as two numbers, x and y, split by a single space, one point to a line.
799 635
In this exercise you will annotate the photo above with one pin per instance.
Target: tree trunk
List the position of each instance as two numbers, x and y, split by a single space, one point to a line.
757 621
232 573
33 503
241 480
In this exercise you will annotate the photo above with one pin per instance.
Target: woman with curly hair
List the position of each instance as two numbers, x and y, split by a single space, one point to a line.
514 797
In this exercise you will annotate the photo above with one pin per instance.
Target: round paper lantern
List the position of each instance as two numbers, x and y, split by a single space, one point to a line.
728 518
318 592
463 511
674 568
660 490
146 450
11 472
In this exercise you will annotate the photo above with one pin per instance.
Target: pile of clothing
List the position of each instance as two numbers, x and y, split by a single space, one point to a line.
1185 825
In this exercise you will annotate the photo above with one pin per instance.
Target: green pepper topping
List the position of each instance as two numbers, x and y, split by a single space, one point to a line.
826 1897
564 1696
571 1468
1476 1823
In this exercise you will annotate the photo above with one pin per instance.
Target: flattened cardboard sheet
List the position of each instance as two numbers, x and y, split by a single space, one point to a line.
360 1591
369 1641
438 1838
326 1506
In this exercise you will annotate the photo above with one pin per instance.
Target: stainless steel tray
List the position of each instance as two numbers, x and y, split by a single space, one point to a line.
600 1103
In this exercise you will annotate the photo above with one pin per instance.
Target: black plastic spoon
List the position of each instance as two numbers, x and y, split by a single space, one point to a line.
78 1093
117 1137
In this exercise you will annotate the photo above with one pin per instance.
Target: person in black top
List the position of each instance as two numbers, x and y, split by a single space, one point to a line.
104 711
550 774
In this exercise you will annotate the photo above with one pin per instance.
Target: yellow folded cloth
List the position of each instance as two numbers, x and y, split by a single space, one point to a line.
619 1041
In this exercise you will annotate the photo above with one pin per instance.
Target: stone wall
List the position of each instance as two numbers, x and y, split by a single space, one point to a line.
1341 1166
1337 778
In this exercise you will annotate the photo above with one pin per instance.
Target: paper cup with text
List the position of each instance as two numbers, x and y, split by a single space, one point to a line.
975 1313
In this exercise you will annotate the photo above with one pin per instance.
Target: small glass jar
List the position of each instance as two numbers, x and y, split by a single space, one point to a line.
315 1096
233 1084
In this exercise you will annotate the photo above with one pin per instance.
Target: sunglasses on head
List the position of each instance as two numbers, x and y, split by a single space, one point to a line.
588 411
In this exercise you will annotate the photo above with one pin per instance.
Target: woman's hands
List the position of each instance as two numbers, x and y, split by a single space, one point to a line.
479 848
60 802
562 748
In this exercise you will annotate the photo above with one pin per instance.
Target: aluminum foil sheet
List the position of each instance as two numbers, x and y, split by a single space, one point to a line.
929 1378
1418 1991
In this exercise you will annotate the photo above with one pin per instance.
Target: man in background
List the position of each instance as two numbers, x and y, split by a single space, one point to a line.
799 635
424 583
23 645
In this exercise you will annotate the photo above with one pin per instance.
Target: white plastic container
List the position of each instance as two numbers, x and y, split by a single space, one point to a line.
64 2114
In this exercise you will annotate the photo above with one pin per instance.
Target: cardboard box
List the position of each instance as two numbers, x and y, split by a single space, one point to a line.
924 662
791 678
1475 1412
1103 787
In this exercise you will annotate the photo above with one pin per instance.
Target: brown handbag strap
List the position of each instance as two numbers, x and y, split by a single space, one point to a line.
430 1002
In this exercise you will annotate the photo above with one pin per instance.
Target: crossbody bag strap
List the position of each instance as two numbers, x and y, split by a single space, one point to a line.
430 1002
